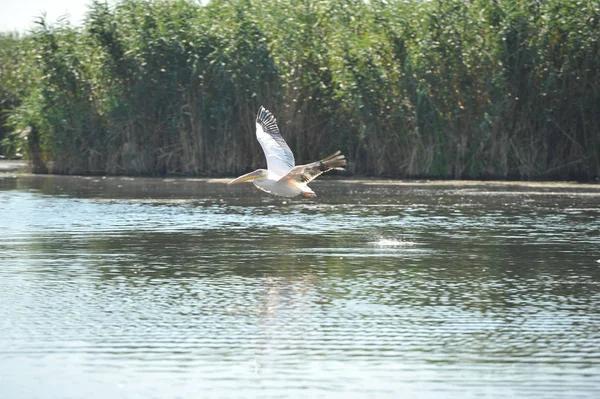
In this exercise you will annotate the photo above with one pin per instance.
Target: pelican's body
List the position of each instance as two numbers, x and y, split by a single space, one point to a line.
271 183
282 177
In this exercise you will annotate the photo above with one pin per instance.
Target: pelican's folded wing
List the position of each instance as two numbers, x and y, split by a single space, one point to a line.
280 159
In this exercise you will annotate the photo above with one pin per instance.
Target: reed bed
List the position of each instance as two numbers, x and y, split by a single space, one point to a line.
438 89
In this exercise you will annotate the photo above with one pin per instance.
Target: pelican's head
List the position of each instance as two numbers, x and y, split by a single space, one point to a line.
257 174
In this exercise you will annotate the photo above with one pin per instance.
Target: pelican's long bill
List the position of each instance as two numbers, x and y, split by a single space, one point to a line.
248 177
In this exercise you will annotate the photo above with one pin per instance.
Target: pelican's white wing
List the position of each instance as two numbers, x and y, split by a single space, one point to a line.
280 159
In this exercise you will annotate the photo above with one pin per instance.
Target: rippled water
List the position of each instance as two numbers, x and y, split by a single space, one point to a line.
151 288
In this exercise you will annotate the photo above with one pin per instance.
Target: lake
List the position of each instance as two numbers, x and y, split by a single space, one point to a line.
186 288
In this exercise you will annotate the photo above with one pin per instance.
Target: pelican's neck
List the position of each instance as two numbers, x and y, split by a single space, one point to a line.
270 176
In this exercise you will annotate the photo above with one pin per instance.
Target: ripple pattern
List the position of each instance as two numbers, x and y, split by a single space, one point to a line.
190 290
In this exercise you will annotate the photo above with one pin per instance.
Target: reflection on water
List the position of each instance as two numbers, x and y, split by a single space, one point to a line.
187 288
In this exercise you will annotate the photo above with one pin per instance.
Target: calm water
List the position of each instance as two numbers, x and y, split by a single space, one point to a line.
151 288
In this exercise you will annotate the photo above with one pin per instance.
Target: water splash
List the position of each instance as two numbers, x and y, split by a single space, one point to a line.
387 242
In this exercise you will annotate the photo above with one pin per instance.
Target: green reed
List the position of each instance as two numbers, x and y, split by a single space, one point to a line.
444 89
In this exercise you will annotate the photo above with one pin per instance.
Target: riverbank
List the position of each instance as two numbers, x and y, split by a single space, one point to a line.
20 168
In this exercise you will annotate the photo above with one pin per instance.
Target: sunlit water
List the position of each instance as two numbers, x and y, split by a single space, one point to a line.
151 288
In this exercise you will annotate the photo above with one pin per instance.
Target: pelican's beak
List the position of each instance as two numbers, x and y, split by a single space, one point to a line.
247 177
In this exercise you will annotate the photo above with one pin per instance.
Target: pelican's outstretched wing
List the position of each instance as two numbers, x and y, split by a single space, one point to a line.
280 158
304 174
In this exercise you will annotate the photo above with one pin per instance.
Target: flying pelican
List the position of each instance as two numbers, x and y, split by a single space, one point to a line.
282 177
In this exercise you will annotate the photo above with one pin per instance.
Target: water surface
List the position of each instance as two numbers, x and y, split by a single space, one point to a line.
159 288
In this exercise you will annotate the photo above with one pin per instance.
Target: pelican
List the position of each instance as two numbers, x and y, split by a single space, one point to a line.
282 177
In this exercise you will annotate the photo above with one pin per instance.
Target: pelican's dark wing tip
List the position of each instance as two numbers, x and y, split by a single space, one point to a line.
261 111
267 120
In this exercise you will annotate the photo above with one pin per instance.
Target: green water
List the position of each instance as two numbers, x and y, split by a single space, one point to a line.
152 288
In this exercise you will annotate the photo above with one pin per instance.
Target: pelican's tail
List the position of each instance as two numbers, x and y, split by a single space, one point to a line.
335 161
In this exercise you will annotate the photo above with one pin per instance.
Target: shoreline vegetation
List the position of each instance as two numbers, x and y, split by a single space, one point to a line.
456 89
